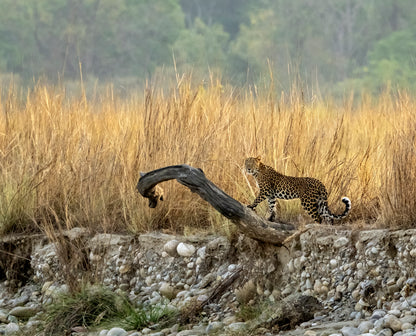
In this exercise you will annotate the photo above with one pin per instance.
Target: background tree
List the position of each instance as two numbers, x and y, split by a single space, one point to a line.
335 44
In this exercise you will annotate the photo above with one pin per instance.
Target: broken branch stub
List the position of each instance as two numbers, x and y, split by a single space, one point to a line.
244 218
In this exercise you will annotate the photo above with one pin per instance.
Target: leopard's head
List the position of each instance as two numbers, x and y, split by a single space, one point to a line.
252 164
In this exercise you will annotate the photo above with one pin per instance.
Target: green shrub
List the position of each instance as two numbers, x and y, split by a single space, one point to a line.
95 306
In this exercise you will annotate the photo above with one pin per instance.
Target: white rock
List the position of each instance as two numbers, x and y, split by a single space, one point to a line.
103 332
333 263
185 250
117 332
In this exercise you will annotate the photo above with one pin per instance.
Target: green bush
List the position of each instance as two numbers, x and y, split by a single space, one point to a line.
95 306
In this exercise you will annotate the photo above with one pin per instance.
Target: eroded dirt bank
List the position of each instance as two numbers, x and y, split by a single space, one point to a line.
353 274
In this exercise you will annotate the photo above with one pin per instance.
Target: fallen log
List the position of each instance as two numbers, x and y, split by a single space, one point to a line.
246 220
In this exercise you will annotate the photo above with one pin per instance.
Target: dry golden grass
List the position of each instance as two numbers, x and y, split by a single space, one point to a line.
69 162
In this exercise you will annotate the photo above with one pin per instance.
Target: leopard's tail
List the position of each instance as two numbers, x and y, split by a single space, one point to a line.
347 202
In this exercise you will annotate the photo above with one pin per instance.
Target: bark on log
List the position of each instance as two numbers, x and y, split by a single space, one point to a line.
244 218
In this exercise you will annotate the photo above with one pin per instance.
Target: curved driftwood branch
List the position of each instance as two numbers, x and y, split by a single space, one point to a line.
244 218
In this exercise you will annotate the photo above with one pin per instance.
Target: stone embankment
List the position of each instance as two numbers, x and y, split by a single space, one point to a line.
365 280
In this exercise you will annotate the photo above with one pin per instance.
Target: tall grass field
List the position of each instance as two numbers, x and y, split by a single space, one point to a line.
70 161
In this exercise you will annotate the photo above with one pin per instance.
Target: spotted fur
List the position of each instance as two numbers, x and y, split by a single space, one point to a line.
273 185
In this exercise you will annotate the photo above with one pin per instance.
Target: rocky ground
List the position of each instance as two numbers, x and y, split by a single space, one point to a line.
364 281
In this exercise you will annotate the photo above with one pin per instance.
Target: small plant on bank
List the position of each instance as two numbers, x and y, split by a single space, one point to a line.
249 312
95 306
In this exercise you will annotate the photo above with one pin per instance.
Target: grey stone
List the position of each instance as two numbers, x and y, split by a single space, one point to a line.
214 327
167 291
408 319
23 312
170 247
365 326
392 322
189 333
340 242
237 326
350 331
11 328
385 332
3 317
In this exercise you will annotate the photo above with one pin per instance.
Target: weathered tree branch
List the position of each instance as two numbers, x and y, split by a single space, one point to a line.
244 218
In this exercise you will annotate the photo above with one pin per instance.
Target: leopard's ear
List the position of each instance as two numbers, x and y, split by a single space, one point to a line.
258 158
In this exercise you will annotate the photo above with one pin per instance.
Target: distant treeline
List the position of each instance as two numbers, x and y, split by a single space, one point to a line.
337 44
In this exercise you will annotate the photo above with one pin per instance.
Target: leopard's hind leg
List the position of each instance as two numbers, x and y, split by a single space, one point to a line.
312 208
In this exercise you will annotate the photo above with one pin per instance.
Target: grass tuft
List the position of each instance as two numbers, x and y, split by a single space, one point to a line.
95 306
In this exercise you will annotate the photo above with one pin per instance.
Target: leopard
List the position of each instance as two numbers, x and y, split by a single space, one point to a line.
274 185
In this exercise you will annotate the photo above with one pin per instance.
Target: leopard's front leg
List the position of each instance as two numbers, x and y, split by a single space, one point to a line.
260 198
